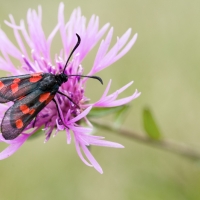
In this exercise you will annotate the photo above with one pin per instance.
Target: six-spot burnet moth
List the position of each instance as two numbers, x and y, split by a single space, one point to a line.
30 94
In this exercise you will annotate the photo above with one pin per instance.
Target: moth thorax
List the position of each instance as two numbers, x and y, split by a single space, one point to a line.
61 78
48 82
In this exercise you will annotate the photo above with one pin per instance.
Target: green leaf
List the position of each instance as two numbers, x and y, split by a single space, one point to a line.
150 125
120 115
101 112
38 133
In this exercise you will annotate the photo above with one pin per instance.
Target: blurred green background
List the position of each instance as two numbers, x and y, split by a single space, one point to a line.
165 65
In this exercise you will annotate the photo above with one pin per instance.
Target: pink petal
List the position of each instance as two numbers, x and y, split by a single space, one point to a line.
52 35
92 160
102 50
25 35
102 32
127 48
13 147
80 154
62 26
122 101
80 116
68 136
106 143
7 47
17 35
125 87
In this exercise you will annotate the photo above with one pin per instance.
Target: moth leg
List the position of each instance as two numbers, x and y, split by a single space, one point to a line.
34 121
59 112
68 98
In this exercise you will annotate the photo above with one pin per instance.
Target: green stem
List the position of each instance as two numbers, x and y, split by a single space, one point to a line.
165 144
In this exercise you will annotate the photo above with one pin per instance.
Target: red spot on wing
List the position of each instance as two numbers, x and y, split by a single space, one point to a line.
1 85
14 87
25 109
31 111
19 124
35 77
44 97
20 98
49 99
16 80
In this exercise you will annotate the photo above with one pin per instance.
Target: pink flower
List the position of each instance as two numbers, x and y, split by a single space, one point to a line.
40 61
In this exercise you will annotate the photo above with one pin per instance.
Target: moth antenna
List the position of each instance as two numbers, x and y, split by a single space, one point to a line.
94 77
76 46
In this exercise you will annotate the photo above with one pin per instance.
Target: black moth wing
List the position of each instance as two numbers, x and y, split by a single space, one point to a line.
23 111
15 87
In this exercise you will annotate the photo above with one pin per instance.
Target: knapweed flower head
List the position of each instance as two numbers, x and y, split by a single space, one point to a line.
37 59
